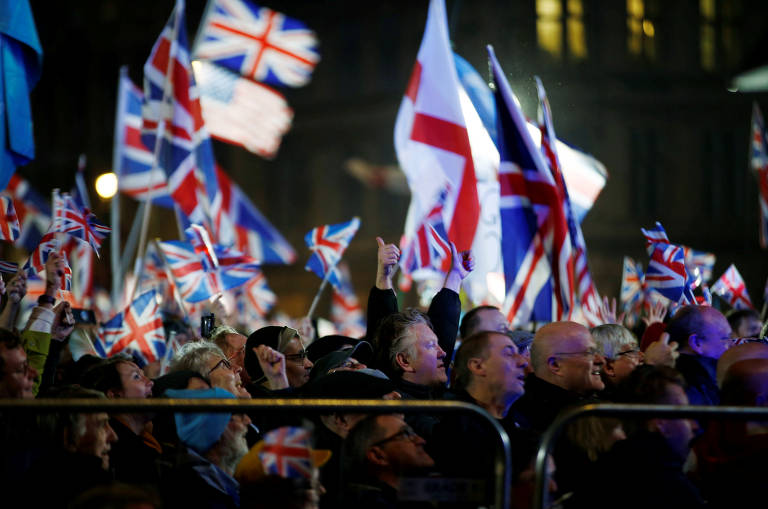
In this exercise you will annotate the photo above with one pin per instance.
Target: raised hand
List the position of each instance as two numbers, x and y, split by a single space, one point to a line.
63 322
655 313
17 287
272 364
662 352
608 312
387 257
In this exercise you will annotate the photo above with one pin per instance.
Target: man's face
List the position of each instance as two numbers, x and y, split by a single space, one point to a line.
97 438
678 432
714 336
490 320
404 449
222 374
749 327
428 364
135 384
297 364
504 368
580 363
18 376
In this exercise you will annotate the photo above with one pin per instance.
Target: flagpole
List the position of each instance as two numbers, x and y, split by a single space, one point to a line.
316 300
114 255
130 243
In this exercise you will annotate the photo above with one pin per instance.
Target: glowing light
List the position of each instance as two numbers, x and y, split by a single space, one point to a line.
106 185
648 28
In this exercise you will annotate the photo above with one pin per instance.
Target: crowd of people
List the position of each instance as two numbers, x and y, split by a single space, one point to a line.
273 458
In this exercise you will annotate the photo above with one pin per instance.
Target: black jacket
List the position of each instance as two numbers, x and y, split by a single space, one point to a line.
700 375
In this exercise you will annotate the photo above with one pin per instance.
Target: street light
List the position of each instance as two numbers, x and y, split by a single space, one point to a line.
106 185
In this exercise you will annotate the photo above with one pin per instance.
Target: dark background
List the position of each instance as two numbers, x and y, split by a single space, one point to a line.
654 110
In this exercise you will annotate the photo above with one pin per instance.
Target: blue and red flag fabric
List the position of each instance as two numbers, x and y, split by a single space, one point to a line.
287 453
138 329
254 299
429 246
21 59
79 223
327 244
700 264
9 221
666 272
731 288
35 264
258 43
33 211
240 225
9 267
535 234
654 235
346 311
201 242
172 107
632 283
759 164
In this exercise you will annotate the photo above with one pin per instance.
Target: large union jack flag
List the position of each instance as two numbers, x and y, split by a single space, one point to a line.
172 108
33 211
328 243
81 224
429 246
138 329
9 221
286 453
731 288
759 163
258 43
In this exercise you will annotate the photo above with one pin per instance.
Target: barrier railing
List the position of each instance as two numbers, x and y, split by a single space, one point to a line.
502 468
548 439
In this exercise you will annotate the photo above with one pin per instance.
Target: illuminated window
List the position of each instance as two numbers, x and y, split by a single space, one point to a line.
556 26
641 31
718 33
707 34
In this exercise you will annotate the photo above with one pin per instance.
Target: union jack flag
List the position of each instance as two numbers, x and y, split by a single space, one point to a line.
287 453
81 224
254 299
184 153
201 242
654 235
196 284
258 43
667 272
535 236
33 211
9 267
346 312
328 243
240 225
35 264
632 284
759 163
9 221
429 247
700 264
731 288
138 329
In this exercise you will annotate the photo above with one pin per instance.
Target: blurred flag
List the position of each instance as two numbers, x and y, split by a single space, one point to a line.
257 42
346 312
286 453
431 137
699 264
731 288
429 247
327 244
666 272
9 267
138 329
9 221
240 225
79 223
759 163
172 106
631 284
21 62
35 264
32 209
254 299
81 260
654 235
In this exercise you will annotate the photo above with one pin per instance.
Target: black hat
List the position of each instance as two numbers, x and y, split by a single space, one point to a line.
362 352
360 384
275 337
327 344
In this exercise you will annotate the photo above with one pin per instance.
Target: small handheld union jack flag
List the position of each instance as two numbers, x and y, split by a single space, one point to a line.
731 288
287 453
139 329
254 299
70 219
346 312
631 284
700 264
328 243
759 164
9 221
35 264
666 271
429 246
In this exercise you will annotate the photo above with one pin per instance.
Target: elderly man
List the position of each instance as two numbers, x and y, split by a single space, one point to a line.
380 452
232 343
211 363
704 335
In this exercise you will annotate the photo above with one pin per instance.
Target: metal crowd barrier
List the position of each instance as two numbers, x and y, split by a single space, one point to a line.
502 470
548 439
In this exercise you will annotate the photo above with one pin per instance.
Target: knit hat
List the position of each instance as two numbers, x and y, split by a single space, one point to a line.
200 431
275 337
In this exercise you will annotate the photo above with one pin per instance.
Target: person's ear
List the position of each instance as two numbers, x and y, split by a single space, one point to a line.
608 367
476 365
376 456
402 361
695 343
553 365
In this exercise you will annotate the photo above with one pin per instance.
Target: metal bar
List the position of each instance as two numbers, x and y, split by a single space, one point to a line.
503 467
552 433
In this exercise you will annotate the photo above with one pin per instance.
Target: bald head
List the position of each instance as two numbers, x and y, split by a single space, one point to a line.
746 383
739 353
556 337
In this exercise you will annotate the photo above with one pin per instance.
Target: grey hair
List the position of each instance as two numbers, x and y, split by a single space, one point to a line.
394 337
610 338
193 356
218 335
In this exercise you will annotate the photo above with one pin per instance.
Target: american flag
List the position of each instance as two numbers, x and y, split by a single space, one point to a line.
287 453
631 284
195 284
70 219
35 264
258 43
759 163
184 153
33 211
254 299
240 225
138 329
328 243
535 236
731 288
9 221
9 267
240 111
429 247
346 312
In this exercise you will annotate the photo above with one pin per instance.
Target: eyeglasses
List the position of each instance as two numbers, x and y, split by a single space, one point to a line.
633 353
297 357
407 433
589 352
222 362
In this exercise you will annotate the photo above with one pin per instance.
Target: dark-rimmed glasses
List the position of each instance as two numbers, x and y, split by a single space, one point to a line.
223 362
297 357
406 433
